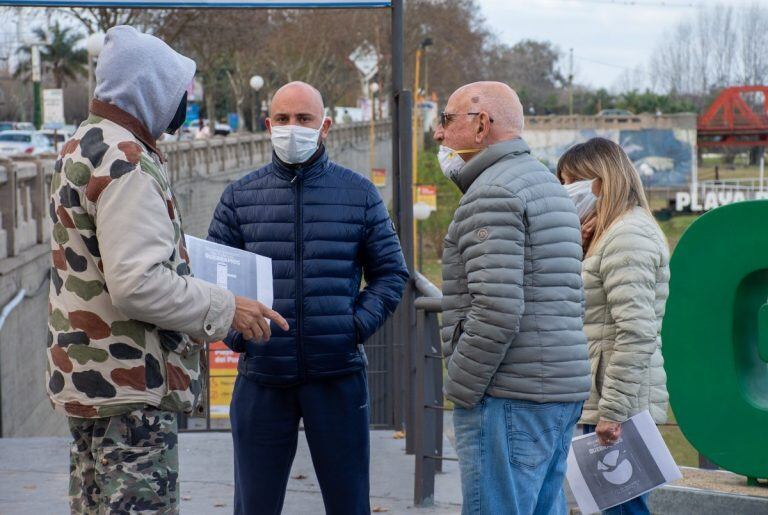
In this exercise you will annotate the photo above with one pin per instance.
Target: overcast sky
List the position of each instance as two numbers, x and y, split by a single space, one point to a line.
607 36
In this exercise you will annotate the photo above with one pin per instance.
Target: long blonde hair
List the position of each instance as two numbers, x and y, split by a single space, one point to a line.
622 189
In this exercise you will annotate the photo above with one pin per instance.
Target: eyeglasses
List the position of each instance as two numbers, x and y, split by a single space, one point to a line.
446 118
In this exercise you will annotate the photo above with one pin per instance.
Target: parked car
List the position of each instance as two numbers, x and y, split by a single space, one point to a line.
61 136
615 112
23 142
16 126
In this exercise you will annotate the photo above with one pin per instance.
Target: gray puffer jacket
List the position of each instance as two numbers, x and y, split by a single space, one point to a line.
512 291
626 284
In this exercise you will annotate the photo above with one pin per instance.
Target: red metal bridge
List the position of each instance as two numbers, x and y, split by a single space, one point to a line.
731 122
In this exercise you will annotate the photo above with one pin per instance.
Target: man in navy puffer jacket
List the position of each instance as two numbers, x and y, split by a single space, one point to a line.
325 228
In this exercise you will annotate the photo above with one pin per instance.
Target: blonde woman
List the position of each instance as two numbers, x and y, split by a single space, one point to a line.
626 283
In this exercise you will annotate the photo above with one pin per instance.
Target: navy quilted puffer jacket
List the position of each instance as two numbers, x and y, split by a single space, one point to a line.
325 228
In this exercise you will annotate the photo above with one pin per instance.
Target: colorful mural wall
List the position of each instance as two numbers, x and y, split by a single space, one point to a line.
664 157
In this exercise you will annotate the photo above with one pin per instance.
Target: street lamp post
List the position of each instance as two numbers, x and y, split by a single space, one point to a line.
93 46
256 82
424 44
421 212
373 88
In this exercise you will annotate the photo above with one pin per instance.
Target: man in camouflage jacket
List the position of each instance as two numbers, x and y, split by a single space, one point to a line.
126 317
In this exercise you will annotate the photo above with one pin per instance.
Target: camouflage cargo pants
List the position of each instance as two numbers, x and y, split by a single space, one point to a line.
125 464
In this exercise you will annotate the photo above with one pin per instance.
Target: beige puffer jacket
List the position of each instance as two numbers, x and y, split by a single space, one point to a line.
626 284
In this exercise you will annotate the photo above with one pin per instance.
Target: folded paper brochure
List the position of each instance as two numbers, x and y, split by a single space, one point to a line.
601 476
243 273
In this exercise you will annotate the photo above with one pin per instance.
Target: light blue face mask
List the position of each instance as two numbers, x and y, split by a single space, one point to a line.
582 196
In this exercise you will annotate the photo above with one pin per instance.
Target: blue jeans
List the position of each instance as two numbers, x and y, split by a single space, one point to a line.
512 455
636 506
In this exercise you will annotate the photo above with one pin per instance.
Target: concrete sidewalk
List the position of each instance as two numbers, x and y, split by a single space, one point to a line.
34 476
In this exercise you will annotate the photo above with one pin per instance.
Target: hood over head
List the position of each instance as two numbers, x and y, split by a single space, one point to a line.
143 76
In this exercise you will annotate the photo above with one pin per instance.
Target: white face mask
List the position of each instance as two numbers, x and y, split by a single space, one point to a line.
583 198
295 144
451 161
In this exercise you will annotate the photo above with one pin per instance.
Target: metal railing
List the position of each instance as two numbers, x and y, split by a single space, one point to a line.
239 152
746 185
732 190
25 180
427 392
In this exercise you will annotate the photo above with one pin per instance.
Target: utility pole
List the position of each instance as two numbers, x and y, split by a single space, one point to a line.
426 75
36 79
570 83
415 120
19 43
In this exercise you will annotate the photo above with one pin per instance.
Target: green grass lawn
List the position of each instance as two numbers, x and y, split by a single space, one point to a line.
432 270
682 451
674 228
735 171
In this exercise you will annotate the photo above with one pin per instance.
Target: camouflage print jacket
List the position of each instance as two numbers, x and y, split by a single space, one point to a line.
124 309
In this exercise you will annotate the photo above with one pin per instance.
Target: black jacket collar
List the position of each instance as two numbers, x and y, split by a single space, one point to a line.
315 166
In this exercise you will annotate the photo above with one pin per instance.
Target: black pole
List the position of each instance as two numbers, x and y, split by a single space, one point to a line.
397 86
407 313
402 174
402 207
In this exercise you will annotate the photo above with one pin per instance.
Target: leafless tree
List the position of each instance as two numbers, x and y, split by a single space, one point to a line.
754 45
721 46
101 19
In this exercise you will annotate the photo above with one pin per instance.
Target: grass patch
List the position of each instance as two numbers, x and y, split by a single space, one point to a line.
682 451
725 172
675 227
432 270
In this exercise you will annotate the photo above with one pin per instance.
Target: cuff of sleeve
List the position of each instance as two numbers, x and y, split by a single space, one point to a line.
362 324
358 330
220 314
604 413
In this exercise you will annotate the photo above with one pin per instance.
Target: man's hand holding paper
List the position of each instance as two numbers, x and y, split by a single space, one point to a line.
248 276
251 319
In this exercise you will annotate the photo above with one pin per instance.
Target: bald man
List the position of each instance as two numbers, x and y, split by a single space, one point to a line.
513 340
325 227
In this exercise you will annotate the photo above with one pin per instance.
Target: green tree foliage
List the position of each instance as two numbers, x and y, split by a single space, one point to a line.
448 196
591 102
650 102
59 55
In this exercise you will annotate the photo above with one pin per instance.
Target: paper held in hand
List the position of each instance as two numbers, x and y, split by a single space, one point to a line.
604 476
243 273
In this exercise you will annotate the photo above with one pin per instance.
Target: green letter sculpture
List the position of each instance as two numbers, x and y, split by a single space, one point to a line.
716 337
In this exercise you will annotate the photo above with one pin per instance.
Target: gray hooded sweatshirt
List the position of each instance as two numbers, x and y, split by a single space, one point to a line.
143 76
512 288
121 281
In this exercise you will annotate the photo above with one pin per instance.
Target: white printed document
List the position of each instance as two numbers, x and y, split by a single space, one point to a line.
604 476
243 273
